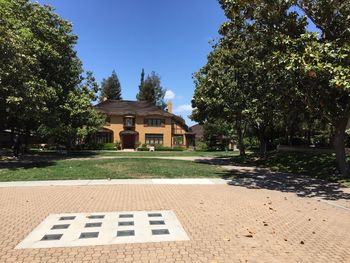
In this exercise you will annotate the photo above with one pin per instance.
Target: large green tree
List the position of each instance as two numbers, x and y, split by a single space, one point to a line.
110 88
40 72
151 90
241 82
289 71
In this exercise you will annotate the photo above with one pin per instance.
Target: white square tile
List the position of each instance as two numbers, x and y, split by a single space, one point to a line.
90 229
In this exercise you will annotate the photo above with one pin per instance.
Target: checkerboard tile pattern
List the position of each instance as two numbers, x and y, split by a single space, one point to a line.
81 229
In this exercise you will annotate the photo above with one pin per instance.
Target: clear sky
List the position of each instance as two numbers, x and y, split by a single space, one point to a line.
166 36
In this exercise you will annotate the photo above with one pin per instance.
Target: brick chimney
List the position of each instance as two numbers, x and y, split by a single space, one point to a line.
170 106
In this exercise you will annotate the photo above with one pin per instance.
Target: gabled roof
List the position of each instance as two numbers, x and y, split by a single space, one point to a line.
135 108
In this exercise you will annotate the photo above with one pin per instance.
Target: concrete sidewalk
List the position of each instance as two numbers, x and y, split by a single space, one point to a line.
176 181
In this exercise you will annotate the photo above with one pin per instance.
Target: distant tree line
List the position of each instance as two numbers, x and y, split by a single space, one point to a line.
270 78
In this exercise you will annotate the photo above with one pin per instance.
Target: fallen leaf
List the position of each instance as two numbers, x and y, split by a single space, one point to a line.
251 231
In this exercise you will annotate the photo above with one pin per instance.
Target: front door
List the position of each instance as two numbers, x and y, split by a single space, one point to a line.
129 141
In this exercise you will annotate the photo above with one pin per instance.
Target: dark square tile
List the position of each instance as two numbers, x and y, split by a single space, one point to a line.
127 223
160 232
67 218
88 235
126 216
125 233
154 215
65 226
156 222
96 217
97 224
52 237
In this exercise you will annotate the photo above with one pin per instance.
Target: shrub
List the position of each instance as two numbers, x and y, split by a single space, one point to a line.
143 149
164 148
100 146
118 145
201 146
109 146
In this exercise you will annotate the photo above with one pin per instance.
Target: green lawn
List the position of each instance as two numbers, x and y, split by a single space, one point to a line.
125 168
312 164
143 154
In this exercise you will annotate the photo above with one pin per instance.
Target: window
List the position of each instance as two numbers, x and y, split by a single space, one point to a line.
155 122
129 122
178 140
154 139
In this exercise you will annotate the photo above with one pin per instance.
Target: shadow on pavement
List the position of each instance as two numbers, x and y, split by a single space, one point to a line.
302 186
260 178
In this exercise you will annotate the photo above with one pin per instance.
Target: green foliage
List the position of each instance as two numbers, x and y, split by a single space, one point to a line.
169 149
40 74
110 88
201 146
143 149
267 73
118 145
151 90
100 146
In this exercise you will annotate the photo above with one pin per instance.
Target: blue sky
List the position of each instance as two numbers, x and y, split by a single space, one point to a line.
168 37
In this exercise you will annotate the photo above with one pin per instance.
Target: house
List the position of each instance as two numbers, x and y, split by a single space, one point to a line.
217 141
133 123
198 130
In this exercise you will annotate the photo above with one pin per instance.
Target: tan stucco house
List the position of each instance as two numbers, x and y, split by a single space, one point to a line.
138 122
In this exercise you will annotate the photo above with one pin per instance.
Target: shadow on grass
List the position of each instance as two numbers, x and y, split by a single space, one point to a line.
305 174
25 165
37 159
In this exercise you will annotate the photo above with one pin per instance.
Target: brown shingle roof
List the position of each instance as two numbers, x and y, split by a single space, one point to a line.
136 108
198 130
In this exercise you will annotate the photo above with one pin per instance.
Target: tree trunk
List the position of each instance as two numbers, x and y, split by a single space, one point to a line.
263 144
286 135
241 146
339 146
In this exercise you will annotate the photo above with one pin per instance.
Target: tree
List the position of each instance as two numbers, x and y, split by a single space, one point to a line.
151 90
292 75
320 65
240 82
76 119
40 73
110 88
142 80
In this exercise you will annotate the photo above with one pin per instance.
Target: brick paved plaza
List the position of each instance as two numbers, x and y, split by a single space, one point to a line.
224 223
